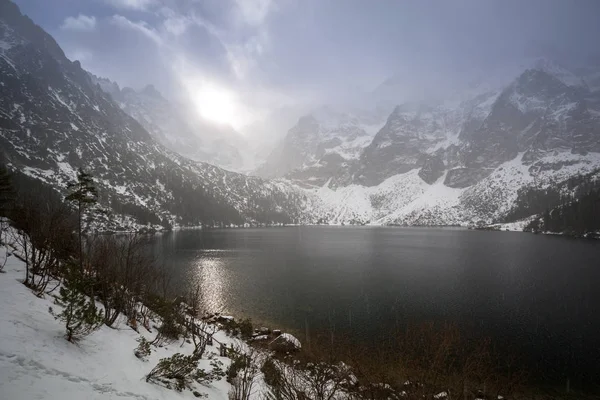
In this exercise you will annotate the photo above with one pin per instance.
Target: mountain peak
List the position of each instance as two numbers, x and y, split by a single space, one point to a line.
150 90
558 71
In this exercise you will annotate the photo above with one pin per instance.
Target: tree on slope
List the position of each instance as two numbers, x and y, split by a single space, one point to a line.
80 314
84 196
6 191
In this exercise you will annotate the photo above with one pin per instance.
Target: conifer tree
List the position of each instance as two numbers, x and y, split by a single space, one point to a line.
80 314
6 191
84 196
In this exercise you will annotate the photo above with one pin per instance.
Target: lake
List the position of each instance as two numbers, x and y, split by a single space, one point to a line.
535 293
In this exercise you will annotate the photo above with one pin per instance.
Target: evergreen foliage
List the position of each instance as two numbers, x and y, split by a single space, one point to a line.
571 207
80 314
143 349
7 193
84 196
180 371
578 217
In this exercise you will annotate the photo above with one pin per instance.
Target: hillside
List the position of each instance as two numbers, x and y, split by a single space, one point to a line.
53 120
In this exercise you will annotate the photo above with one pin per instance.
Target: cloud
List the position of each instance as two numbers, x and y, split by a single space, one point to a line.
140 26
141 5
79 23
82 55
177 24
243 57
254 12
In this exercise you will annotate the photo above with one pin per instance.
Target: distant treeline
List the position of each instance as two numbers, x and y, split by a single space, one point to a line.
572 206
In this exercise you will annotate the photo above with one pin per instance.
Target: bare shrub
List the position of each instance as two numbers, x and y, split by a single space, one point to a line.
439 357
243 373
200 331
294 380
123 271
44 237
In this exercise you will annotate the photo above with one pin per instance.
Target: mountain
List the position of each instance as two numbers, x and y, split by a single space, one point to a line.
178 127
322 144
466 157
458 159
54 119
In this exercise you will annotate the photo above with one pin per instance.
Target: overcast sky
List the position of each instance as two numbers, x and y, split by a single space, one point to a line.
253 56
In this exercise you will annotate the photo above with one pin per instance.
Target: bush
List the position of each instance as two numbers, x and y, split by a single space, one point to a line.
242 328
245 327
177 369
242 374
80 314
143 349
173 321
179 372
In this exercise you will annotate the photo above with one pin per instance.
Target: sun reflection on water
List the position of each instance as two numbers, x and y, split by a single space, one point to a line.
214 282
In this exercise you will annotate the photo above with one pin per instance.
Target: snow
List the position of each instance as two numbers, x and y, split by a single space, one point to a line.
406 199
559 72
398 199
36 362
526 103
290 339
74 127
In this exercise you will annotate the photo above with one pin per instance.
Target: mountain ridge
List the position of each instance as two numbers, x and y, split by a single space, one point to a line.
53 120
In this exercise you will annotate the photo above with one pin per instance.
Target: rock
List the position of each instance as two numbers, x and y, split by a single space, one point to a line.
224 318
465 177
263 330
285 343
432 169
276 332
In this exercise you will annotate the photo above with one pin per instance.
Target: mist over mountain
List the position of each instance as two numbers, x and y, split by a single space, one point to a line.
414 149
135 135
179 128
55 119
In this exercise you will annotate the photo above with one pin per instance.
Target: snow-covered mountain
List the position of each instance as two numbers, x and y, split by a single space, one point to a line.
322 144
54 119
452 160
179 128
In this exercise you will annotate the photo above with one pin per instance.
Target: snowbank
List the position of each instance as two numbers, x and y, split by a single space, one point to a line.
36 362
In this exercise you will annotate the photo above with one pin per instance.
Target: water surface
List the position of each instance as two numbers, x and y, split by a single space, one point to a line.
538 294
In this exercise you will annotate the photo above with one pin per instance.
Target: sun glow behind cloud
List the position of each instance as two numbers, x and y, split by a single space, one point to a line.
212 100
216 104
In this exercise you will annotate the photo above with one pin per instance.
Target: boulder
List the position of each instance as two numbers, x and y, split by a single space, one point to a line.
285 343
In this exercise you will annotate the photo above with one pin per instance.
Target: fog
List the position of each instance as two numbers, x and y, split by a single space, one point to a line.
243 61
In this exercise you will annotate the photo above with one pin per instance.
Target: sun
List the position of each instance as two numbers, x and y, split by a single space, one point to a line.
216 104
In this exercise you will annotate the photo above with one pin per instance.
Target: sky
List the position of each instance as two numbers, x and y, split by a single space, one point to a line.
240 61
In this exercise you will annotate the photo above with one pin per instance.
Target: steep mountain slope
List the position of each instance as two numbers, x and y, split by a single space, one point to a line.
179 128
464 159
53 119
322 144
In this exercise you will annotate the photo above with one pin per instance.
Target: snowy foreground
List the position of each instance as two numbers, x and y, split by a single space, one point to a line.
36 362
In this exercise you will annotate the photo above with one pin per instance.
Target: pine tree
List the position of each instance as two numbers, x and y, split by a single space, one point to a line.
80 314
84 196
6 191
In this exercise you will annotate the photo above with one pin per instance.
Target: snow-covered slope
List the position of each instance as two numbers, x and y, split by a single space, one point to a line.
321 144
406 199
36 362
453 160
460 159
53 120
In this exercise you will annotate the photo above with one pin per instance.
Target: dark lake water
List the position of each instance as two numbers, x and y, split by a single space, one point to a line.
537 294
